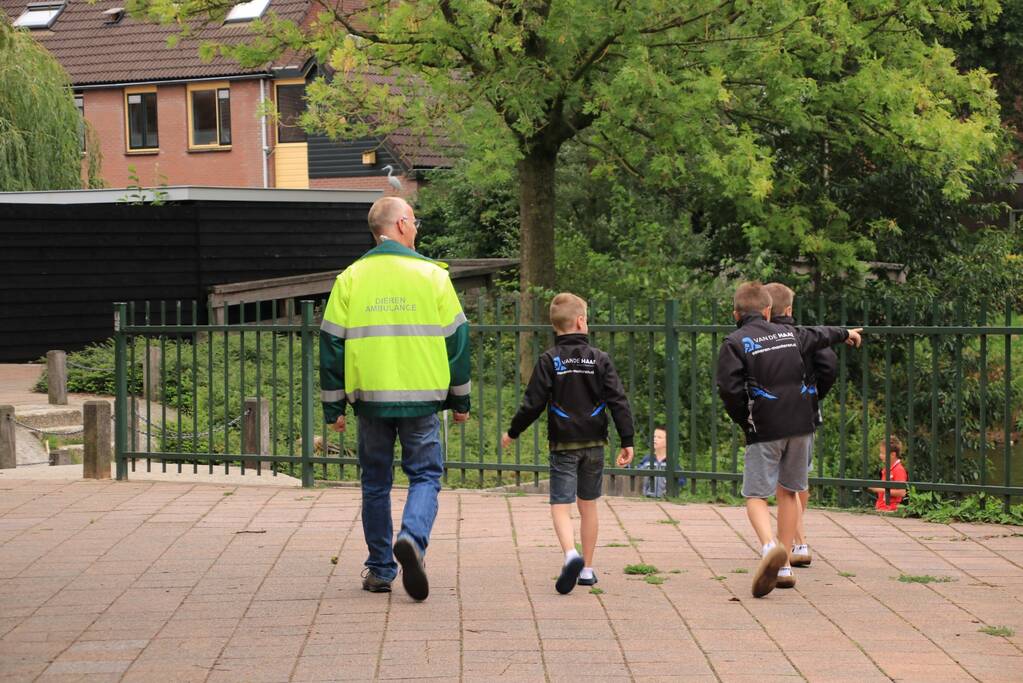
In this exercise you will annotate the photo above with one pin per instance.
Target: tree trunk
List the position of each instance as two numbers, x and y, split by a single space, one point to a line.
536 237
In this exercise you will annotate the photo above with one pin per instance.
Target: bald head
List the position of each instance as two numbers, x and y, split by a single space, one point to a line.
384 213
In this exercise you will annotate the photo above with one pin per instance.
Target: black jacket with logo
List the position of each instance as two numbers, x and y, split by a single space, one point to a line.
761 379
578 384
820 366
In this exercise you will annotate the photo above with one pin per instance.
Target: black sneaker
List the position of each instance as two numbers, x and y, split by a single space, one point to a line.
592 581
413 575
569 574
373 583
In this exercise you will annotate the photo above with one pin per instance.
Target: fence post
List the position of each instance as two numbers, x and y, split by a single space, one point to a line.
255 430
307 393
671 413
56 377
96 459
151 375
121 393
8 446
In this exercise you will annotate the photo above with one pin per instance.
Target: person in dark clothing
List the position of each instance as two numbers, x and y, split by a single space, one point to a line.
760 380
821 370
577 385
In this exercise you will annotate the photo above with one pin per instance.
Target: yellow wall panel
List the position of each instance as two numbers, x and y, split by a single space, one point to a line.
292 165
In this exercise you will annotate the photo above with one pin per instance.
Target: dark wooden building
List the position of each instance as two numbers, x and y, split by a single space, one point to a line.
67 256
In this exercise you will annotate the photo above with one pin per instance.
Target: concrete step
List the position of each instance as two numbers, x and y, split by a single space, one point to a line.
47 417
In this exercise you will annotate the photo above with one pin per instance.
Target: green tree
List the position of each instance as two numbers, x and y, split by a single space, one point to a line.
698 95
40 127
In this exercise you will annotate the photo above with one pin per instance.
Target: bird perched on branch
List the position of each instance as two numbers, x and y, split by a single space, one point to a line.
393 180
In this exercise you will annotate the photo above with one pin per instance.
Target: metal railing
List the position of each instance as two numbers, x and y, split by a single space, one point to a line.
948 388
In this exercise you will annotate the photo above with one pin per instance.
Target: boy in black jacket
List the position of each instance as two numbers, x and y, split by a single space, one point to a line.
578 385
821 368
761 381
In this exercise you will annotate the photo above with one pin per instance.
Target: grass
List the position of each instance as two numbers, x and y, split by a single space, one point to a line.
676 571
228 493
597 591
847 575
668 521
654 579
1002 631
616 545
719 577
333 559
740 570
925 578
640 569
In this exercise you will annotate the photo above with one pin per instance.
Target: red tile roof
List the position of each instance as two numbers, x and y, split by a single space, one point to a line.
94 52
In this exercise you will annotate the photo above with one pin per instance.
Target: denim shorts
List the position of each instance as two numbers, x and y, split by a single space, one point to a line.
576 472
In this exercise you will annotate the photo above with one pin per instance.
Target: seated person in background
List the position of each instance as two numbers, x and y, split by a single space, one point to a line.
657 487
897 473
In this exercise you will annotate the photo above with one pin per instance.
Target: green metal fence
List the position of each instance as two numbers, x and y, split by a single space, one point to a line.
944 383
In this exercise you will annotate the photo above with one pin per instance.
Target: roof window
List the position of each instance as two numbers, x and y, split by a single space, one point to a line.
113 15
247 11
40 14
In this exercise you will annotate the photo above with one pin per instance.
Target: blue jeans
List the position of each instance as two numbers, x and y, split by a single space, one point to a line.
422 460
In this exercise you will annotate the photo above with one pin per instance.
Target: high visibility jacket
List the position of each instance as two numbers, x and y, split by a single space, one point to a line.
394 341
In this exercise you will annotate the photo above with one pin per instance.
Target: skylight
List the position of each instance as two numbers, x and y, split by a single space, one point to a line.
39 14
247 11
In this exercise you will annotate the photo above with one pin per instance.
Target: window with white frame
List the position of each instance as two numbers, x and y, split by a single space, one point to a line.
247 11
39 14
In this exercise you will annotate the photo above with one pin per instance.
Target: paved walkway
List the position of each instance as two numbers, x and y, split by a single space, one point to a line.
149 581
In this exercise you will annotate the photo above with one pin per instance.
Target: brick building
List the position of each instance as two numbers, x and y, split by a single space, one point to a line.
182 121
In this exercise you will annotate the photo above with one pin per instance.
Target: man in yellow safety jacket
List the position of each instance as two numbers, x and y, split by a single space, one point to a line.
395 344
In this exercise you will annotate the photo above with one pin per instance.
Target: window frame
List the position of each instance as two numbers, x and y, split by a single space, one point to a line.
53 9
139 90
216 87
277 108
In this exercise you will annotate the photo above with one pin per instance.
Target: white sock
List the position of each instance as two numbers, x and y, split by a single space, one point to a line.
767 548
586 573
571 554
785 571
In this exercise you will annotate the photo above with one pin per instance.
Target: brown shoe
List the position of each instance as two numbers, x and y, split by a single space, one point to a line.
787 581
802 559
766 577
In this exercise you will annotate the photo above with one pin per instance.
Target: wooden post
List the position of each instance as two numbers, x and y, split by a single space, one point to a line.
56 377
256 430
8 450
151 375
96 459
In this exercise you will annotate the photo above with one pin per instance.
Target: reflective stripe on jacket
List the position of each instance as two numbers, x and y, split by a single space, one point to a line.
394 341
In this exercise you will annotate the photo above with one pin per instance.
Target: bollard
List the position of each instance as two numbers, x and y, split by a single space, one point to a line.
56 377
8 450
255 430
151 375
60 456
96 458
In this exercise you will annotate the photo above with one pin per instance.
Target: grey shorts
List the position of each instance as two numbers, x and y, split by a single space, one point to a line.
576 472
772 463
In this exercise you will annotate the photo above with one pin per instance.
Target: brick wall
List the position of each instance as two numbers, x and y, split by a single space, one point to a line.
241 166
377 182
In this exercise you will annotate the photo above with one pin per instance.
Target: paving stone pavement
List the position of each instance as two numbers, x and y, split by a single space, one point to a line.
155 581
